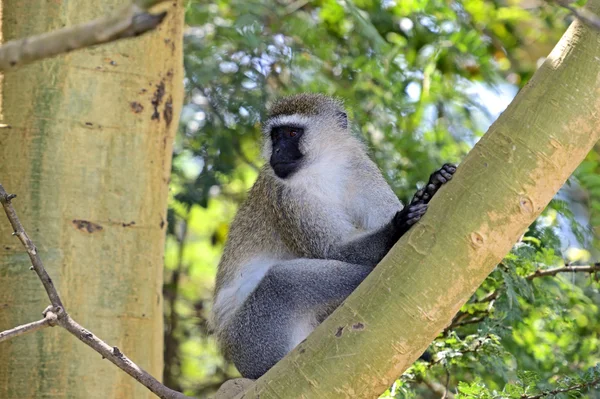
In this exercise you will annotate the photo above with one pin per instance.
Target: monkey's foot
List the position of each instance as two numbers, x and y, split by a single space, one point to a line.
436 180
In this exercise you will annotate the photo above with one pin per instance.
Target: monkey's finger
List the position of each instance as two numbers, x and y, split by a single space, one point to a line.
449 167
418 212
418 207
447 175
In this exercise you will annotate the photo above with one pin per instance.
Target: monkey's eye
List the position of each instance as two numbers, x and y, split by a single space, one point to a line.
294 132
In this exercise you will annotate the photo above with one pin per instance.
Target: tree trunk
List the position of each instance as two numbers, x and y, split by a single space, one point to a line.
88 151
499 189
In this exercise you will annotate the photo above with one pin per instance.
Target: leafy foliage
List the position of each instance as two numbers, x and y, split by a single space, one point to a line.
422 81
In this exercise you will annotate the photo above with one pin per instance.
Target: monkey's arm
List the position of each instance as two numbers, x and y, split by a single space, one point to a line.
369 249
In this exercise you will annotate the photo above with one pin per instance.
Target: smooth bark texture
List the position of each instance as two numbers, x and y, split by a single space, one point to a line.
88 150
500 188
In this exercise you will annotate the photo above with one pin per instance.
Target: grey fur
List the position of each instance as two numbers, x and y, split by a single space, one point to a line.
300 246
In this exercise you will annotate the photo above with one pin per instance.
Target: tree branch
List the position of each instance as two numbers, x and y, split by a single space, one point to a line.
129 22
583 14
49 320
461 318
574 269
36 261
57 314
555 392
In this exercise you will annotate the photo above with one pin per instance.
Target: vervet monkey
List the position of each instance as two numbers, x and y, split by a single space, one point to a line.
314 225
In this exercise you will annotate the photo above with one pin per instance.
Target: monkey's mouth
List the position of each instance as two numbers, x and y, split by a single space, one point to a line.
285 169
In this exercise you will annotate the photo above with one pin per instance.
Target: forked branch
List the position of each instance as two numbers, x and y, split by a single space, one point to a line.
57 315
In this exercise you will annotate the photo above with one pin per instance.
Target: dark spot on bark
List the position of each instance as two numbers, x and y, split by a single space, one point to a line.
168 112
129 224
86 334
13 63
358 326
301 350
339 332
89 124
142 91
162 222
170 73
7 248
98 67
113 63
84 225
117 352
157 99
136 107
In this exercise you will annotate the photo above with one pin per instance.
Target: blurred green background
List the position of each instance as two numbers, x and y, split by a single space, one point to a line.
422 81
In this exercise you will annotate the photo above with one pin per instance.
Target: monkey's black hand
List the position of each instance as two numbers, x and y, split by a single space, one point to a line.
409 215
436 180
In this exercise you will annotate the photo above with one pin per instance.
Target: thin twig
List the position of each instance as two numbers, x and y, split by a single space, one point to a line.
129 22
438 388
583 14
36 261
63 319
555 392
461 317
49 320
117 357
564 269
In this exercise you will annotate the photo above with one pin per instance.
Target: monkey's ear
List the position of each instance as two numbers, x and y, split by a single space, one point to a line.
342 119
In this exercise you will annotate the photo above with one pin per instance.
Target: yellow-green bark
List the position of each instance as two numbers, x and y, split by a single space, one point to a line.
499 189
88 153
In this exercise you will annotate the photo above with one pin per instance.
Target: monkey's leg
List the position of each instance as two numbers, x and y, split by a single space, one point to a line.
289 302
436 180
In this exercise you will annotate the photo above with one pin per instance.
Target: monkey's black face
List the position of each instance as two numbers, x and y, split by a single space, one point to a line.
286 156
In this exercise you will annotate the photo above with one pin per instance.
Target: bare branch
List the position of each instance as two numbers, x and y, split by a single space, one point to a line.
438 389
117 357
129 22
575 269
583 14
36 261
49 320
554 392
462 318
57 314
